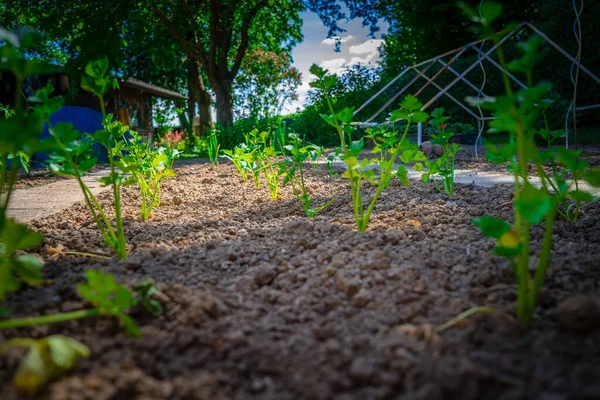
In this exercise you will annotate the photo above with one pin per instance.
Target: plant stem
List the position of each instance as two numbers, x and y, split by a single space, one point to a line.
462 316
78 253
540 272
48 319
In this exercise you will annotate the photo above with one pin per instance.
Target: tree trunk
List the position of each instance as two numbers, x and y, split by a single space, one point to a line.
223 91
198 94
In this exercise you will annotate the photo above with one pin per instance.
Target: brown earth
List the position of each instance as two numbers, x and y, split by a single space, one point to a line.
263 303
37 178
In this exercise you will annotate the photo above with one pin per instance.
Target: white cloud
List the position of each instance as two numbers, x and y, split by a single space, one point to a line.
335 66
370 46
331 41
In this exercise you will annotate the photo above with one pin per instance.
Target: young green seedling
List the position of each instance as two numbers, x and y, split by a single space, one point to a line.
332 157
293 171
48 359
387 144
241 159
74 158
212 147
444 165
517 113
266 153
571 163
108 298
148 167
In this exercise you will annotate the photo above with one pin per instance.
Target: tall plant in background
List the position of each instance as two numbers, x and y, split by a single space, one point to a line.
265 154
517 113
212 147
444 165
74 158
387 144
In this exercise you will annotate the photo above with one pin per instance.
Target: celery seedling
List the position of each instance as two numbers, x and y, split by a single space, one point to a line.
444 165
212 147
241 159
265 155
516 113
148 167
108 298
571 163
47 359
387 144
293 170
73 156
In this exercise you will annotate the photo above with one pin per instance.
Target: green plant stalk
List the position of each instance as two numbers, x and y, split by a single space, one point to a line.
540 272
91 201
527 291
121 250
271 177
48 319
384 180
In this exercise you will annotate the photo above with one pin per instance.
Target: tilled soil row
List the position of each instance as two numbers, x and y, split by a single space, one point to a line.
263 303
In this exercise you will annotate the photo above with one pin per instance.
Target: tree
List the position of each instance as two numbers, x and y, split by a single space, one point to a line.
266 83
214 34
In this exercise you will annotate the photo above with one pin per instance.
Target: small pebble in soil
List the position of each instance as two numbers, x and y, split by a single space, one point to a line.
579 313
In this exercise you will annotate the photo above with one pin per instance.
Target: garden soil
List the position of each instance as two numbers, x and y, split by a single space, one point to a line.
263 303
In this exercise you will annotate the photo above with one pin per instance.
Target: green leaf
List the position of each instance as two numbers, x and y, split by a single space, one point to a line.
47 359
592 176
402 174
534 204
15 236
28 268
579 195
491 226
418 166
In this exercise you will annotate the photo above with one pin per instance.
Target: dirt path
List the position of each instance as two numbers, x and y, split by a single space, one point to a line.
42 201
263 303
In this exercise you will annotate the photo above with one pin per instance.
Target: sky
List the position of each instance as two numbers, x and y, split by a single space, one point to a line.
356 47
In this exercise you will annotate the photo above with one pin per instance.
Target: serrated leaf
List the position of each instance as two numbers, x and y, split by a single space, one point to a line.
534 204
402 174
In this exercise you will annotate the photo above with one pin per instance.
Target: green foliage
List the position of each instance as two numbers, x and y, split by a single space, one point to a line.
19 139
47 359
293 171
516 113
108 298
212 147
265 154
15 269
242 158
444 165
388 146
147 166
73 156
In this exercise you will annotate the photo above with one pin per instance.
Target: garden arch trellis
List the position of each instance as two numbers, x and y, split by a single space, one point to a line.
422 68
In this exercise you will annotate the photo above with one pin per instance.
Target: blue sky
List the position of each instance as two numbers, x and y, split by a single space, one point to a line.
356 47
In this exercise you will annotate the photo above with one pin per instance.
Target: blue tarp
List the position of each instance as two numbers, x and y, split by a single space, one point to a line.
84 119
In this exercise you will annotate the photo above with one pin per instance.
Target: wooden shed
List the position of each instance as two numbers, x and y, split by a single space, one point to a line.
131 103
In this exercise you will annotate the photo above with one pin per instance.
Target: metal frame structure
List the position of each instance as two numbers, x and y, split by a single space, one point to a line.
422 67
